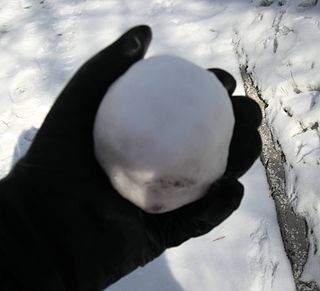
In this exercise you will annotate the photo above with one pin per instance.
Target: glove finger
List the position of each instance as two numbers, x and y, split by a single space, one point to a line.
85 90
226 79
244 149
200 217
246 111
66 134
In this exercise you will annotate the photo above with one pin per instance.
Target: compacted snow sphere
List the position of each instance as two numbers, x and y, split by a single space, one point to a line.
162 133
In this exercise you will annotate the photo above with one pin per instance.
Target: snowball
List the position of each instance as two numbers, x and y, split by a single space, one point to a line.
162 133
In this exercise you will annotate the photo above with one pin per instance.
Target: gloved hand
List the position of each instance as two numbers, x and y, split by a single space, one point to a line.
63 226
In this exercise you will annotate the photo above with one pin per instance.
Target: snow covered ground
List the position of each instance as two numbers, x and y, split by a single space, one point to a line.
281 53
42 43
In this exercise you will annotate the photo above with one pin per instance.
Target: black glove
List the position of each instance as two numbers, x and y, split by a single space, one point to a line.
63 226
246 143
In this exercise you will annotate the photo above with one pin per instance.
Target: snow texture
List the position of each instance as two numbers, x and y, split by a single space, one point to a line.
162 132
42 43
281 53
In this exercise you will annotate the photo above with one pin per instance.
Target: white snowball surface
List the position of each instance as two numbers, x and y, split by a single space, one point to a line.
162 133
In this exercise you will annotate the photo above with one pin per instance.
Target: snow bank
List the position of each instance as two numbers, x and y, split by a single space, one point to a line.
282 54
